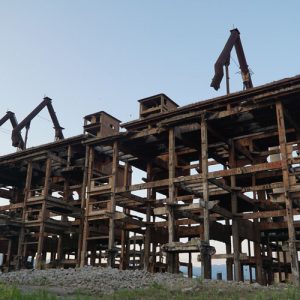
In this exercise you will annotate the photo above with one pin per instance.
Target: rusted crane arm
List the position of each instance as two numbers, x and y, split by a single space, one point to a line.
13 120
6 117
243 64
58 129
224 59
26 122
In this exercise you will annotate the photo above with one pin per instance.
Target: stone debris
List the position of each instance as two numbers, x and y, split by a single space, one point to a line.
97 280
94 279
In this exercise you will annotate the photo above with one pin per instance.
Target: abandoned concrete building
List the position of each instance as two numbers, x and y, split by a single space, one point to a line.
224 169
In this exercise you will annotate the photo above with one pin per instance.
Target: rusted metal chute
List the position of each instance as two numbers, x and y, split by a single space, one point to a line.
224 60
16 133
13 120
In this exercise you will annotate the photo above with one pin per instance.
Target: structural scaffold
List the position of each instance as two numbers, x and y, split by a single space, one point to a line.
224 169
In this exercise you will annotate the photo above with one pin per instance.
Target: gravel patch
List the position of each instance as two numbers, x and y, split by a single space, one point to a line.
93 279
97 280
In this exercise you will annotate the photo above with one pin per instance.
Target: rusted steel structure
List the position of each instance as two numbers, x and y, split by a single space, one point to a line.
17 141
224 169
224 60
14 123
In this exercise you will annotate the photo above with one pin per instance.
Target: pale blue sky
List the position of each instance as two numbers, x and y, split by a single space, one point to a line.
105 55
